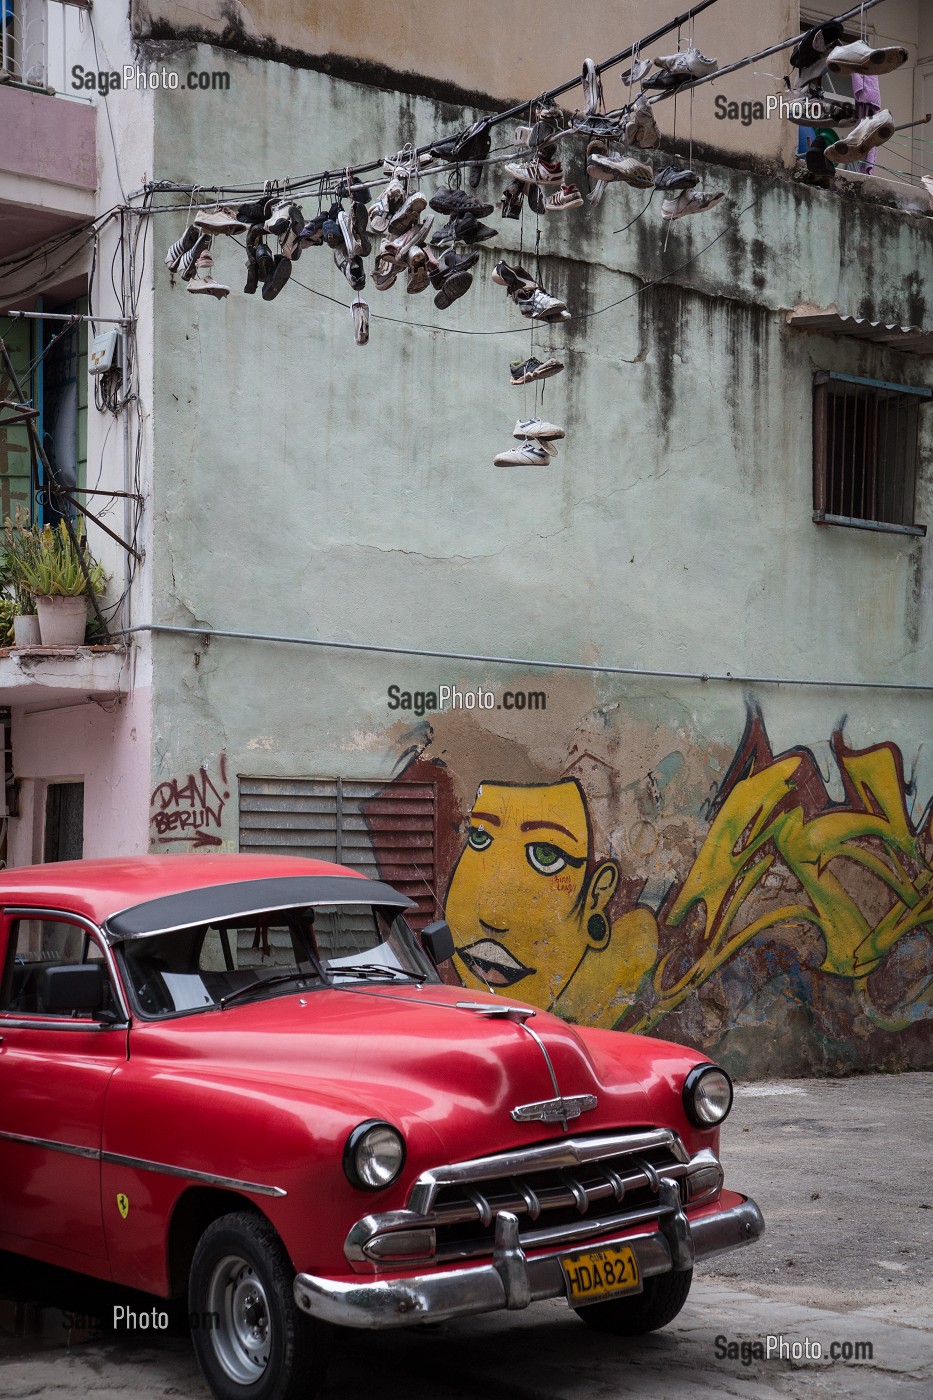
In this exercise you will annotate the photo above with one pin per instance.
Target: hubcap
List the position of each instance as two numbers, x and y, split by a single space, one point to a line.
242 1334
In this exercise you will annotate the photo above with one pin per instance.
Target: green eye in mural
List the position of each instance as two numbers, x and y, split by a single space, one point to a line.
545 858
479 839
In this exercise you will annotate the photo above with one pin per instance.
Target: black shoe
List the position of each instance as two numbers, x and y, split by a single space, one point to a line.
252 275
281 271
536 198
254 213
312 235
513 197
459 262
817 164
814 47
452 202
453 286
667 82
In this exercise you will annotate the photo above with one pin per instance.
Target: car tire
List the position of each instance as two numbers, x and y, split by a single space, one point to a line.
251 1341
658 1304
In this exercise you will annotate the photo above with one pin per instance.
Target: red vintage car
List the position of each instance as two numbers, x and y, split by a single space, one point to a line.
243 1078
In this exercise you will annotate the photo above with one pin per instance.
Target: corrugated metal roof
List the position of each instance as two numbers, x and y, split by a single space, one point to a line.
914 339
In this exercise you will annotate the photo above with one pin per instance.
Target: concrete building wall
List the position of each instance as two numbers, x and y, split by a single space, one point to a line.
728 872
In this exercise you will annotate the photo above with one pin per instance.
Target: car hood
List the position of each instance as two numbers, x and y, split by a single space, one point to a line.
431 1054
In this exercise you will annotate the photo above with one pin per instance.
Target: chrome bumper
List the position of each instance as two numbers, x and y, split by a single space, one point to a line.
512 1280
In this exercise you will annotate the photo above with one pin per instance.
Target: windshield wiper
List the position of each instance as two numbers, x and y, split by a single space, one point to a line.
368 970
261 983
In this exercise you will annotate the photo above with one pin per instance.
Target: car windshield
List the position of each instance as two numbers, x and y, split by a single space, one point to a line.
240 960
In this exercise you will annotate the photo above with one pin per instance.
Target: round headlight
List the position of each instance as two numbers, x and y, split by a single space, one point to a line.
374 1155
707 1095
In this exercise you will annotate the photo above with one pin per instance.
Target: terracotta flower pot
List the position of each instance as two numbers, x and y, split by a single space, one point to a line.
26 630
62 621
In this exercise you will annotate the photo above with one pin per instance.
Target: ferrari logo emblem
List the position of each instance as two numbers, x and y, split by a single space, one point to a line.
123 1205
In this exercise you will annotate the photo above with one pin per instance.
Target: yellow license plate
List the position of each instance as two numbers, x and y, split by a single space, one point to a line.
600 1273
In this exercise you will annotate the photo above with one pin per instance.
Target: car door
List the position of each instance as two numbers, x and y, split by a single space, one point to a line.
54 1071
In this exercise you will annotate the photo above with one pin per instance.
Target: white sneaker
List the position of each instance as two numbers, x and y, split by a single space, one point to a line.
690 63
360 321
641 129
536 172
537 305
537 428
203 284
690 202
530 454
614 167
862 58
219 221
382 209
871 132
567 197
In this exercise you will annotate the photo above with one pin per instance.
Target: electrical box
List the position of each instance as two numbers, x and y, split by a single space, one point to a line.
104 354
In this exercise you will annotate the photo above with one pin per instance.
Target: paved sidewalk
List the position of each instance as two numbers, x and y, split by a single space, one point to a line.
841 1171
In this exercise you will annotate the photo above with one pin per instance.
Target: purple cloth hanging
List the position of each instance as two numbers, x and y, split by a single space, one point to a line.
867 94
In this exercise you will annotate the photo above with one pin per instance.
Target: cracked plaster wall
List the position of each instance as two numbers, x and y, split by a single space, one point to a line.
306 486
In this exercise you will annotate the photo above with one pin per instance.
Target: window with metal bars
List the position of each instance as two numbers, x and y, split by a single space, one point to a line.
866 452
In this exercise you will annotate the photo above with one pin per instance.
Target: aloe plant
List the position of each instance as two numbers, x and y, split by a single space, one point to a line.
46 564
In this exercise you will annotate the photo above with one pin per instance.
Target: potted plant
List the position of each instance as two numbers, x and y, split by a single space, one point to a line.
50 569
19 544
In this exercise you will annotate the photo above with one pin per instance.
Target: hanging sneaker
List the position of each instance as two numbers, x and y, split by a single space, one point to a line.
281 271
283 216
411 238
453 286
592 88
536 172
408 159
811 51
180 247
640 68
450 202
419 269
860 57
352 269
538 429
408 213
385 273
530 454
639 127
527 371
360 321
312 235
388 203
515 279
665 82
189 262
462 228
203 283
513 197
615 167
870 133
670 178
220 221
690 202
538 305
567 197
689 63
816 161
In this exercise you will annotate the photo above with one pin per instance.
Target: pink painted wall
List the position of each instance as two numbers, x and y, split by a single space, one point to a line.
108 752
49 137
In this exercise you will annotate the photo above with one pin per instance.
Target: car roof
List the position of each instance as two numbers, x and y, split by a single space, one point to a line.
98 889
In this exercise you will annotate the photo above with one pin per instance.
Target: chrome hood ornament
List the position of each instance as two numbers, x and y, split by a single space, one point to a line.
555 1110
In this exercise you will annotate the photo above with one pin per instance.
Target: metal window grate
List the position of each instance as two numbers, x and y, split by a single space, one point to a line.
385 832
866 447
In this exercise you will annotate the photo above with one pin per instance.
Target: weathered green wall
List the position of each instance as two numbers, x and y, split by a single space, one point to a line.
308 486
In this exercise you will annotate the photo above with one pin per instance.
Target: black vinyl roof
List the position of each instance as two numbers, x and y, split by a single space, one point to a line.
246 898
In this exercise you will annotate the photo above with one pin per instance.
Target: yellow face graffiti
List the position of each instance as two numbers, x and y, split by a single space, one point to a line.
523 904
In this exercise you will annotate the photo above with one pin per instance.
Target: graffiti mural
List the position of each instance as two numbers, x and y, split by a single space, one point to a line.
838 890
190 810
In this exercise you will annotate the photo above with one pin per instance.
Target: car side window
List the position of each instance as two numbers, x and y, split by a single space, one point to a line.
34 946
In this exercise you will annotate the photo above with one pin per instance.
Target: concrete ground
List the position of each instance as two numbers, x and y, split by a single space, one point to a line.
841 1171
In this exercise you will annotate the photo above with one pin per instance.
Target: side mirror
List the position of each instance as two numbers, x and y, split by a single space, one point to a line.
72 987
438 942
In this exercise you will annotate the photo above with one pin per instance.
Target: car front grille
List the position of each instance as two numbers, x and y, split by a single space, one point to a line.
561 1192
